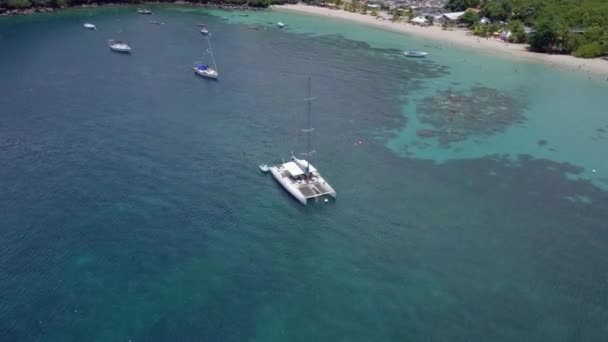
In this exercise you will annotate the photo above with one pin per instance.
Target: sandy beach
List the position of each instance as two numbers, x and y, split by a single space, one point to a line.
594 67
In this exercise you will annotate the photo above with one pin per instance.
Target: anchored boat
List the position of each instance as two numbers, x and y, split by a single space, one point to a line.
205 70
299 177
119 46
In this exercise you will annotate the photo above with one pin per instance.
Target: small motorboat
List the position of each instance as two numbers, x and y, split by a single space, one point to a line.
280 24
90 26
243 15
201 25
143 11
119 46
225 18
254 27
204 30
264 168
415 54
156 22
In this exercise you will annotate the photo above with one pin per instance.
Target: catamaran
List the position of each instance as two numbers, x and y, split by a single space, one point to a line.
299 177
205 70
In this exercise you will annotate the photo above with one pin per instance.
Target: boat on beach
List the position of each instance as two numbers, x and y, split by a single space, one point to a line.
205 70
143 11
89 26
299 177
415 54
118 46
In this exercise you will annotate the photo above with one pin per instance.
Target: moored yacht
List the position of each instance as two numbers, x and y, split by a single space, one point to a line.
299 177
119 46
205 70
90 26
302 180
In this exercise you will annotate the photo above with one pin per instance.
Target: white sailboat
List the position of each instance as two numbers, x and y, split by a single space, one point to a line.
205 70
299 177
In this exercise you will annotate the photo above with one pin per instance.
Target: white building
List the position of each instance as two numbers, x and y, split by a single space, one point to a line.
452 16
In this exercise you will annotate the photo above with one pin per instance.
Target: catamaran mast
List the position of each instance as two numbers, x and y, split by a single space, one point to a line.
309 131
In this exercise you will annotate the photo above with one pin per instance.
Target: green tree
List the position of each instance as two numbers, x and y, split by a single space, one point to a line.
62 3
410 15
397 15
18 3
480 30
518 32
590 50
545 35
469 18
461 5
496 9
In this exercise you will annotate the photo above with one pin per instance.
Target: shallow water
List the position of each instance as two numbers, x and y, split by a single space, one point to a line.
133 207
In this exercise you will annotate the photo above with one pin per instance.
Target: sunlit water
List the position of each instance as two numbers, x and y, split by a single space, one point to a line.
133 208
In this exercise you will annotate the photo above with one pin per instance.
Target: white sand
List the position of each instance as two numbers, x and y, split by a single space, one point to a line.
594 67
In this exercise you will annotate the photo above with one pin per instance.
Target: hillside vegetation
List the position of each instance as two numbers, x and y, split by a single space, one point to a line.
579 27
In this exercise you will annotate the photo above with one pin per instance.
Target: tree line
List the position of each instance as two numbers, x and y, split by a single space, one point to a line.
25 4
578 27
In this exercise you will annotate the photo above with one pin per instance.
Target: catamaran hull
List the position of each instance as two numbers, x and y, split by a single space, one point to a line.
293 189
287 185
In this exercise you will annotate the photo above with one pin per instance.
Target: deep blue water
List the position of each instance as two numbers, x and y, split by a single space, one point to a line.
132 207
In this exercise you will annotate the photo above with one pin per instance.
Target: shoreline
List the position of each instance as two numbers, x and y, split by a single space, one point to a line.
463 38
43 9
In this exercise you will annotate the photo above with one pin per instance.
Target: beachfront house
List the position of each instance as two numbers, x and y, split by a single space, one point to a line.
452 17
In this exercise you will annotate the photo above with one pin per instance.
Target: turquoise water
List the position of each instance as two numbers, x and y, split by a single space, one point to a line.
133 208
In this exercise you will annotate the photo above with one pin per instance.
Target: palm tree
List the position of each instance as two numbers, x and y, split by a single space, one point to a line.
410 15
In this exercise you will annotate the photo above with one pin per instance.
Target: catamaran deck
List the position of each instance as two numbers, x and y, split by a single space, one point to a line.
312 190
